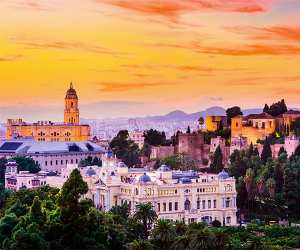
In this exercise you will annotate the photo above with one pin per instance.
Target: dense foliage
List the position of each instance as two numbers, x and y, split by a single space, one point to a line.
125 149
155 138
24 164
90 161
178 161
276 109
232 112
47 219
267 188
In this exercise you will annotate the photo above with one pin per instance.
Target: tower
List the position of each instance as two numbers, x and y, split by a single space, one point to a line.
71 114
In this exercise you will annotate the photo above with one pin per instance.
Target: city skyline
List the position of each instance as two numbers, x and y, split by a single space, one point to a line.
147 57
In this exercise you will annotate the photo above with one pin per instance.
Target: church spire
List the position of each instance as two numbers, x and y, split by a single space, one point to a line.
71 85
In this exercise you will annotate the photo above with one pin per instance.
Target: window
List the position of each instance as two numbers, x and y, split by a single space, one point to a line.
176 206
170 206
228 220
203 204
136 191
164 207
215 203
198 204
46 163
158 207
263 125
227 203
187 205
209 204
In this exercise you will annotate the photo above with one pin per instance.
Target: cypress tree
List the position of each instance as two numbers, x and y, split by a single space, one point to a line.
267 152
217 163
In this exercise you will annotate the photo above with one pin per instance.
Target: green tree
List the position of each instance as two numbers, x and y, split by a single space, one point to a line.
146 150
3 162
155 138
147 216
27 164
281 151
266 152
233 112
295 127
291 190
139 245
163 234
125 149
73 212
276 109
217 161
188 131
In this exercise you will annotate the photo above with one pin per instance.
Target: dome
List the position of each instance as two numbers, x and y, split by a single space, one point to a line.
164 168
90 172
145 178
109 154
185 180
71 93
121 165
223 175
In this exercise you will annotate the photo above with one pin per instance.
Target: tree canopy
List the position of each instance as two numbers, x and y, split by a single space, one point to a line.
232 112
276 109
125 149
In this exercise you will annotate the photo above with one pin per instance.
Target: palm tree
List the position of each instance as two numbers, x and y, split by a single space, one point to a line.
180 228
146 215
163 234
249 180
181 243
271 187
260 183
201 240
139 245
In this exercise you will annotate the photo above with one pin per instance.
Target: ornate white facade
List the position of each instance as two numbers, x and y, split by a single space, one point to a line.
175 195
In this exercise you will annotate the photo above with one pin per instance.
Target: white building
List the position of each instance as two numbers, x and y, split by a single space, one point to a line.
175 195
15 180
51 156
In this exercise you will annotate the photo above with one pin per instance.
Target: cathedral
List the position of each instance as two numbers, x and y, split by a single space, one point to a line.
69 130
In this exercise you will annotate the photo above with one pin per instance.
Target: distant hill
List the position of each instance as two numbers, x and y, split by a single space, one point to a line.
179 115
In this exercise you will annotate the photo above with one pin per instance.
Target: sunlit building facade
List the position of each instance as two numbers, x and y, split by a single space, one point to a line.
175 195
69 130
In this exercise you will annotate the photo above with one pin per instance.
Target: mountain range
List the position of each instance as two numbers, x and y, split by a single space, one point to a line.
179 115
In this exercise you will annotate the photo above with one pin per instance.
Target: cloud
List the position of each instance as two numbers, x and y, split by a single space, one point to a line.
216 98
173 8
254 49
124 87
286 33
11 58
34 5
63 45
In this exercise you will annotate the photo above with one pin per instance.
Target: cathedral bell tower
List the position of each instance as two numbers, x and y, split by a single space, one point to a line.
71 114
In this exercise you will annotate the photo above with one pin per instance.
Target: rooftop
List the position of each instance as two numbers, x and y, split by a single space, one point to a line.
36 147
259 116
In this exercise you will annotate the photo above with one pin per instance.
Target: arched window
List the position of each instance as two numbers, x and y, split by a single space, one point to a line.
187 205
136 191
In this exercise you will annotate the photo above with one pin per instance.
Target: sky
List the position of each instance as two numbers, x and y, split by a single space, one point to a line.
145 57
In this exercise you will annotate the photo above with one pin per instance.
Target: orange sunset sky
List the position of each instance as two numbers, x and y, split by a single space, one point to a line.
137 58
